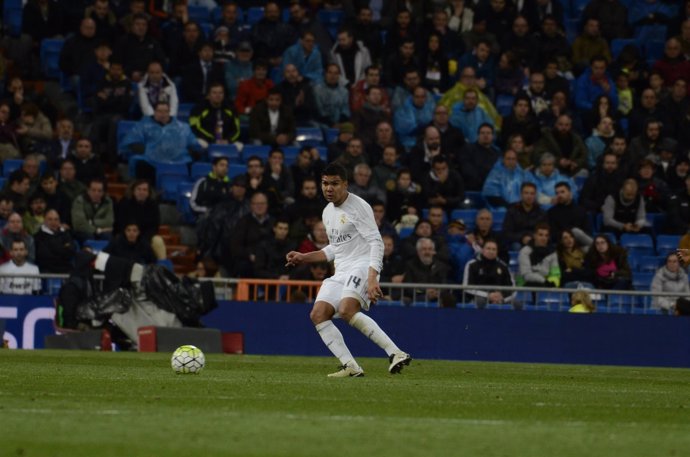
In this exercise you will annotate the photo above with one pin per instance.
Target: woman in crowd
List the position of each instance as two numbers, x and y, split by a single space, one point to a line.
571 250
671 277
608 265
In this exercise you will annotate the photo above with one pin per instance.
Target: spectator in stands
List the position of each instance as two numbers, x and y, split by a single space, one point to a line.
479 32
524 155
593 83
675 105
650 12
538 262
32 167
354 154
672 65
19 265
385 173
372 112
547 177
366 30
130 244
488 270
606 179
468 80
34 130
484 64
393 265
301 20
499 17
308 202
87 164
214 120
332 98
408 247
223 47
246 236
599 140
351 56
509 75
307 165
186 48
78 50
271 36
452 139
477 159
358 91
105 19
17 189
279 177
404 26
258 182
271 252
460 15
589 44
443 186
521 42
139 205
6 208
64 145
173 27
418 160
553 48
231 18
679 210
411 81
521 121
566 213
571 249
609 265
136 7
684 31
68 185
426 268
200 75
675 175
271 122
212 189
397 63
42 19
55 248
650 142
137 50
537 94
406 194
239 69
93 213
156 87
383 138
435 215
305 56
9 138
362 185
624 210
648 108
35 214
298 95
565 145
162 138
654 190
469 116
253 90
612 16
414 115
554 80
504 183
14 230
671 277
522 217
317 239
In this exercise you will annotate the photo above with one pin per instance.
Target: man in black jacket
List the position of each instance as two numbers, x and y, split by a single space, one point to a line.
246 237
566 213
214 120
605 180
136 49
522 217
488 270
55 248
679 211
199 75
212 189
425 268
477 159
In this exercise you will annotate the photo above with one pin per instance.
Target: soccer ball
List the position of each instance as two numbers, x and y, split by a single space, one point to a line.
188 359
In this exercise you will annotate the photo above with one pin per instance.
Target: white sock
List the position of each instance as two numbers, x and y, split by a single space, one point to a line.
371 330
101 260
334 341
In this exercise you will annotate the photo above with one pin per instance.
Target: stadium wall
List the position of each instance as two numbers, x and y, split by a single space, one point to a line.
456 334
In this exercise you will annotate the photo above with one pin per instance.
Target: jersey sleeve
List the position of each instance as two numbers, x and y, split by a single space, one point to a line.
329 252
366 226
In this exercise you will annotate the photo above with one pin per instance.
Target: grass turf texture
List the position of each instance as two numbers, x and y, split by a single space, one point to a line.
71 403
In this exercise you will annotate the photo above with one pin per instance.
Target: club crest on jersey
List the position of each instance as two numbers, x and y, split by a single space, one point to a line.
343 219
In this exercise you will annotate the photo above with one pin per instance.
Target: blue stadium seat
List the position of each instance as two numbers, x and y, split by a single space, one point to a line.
524 298
207 30
12 17
331 135
184 191
513 260
51 286
96 245
123 127
198 14
166 263
656 221
3 180
179 169
504 104
642 281
50 58
405 232
466 305
620 303
309 136
254 15
571 29
229 151
500 306
10 165
261 151
389 303
654 50
498 215
168 183
553 300
640 243
667 243
217 15
473 199
331 19
291 153
236 169
467 215
617 45
183 111
200 170
647 33
649 263
537 307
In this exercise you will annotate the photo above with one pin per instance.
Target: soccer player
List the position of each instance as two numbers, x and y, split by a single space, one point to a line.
357 248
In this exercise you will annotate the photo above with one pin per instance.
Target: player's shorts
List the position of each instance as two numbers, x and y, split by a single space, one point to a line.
352 283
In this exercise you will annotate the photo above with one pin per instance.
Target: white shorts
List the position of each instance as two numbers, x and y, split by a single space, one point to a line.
352 283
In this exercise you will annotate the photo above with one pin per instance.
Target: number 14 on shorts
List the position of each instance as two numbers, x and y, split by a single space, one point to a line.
354 280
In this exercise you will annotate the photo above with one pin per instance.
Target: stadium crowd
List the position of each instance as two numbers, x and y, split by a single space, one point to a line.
491 137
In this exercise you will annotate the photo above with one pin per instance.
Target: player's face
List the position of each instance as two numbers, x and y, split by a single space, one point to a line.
334 189
18 253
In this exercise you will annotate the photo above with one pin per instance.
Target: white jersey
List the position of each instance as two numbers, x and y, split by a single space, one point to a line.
17 285
354 238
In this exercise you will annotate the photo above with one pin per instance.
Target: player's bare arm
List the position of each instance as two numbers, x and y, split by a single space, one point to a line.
294 258
373 287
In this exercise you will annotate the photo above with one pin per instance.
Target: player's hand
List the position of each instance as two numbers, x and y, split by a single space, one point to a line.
294 258
374 291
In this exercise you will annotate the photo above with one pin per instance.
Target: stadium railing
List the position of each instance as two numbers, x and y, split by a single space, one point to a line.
416 295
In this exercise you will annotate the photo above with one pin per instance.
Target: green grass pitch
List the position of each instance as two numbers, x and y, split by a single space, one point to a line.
72 403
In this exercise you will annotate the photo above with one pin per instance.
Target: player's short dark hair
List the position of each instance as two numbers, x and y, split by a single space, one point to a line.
335 169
